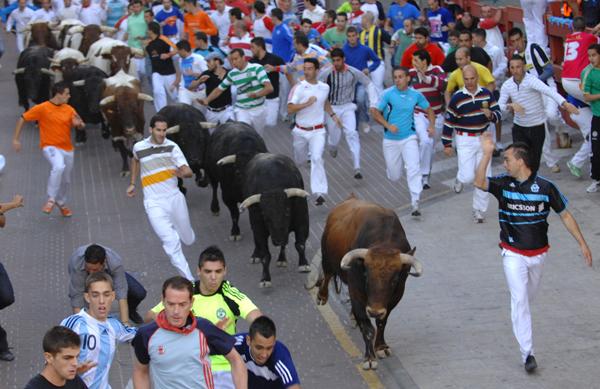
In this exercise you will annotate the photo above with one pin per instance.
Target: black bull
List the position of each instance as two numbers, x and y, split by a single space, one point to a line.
275 197
365 245
32 75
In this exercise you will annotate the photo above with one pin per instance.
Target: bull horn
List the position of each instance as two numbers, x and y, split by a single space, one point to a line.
108 29
408 259
107 100
173 130
79 83
351 256
208 124
254 199
47 71
225 160
296 192
145 97
75 30
137 52
19 71
82 60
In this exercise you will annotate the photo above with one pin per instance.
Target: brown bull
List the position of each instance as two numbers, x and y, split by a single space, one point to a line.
90 34
123 106
365 245
40 34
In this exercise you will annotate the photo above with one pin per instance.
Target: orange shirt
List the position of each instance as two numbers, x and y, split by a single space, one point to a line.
55 123
199 21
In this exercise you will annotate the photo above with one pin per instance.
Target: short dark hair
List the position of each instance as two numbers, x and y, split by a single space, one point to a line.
515 31
237 50
137 2
236 13
402 69
201 35
178 283
517 57
259 40
259 6
351 29
422 31
595 46
99 276
193 2
183 45
277 13
331 13
466 32
423 55
94 254
58 338
306 20
154 27
264 326
480 32
211 254
312 2
337 53
453 33
521 151
301 39
156 119
59 88
578 23
149 11
314 61
343 14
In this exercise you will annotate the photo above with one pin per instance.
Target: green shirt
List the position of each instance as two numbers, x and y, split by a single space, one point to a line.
247 81
590 78
136 28
404 41
227 302
334 37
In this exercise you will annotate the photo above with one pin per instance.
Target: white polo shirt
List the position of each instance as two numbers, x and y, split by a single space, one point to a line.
314 114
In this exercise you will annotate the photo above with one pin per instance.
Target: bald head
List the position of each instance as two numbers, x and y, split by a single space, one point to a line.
470 78
463 57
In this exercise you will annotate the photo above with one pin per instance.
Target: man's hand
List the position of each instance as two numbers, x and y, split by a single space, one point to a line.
85 366
18 201
488 113
202 79
431 131
223 323
487 143
269 68
393 128
570 108
203 101
16 145
366 71
337 121
518 108
131 190
448 151
165 56
311 100
587 254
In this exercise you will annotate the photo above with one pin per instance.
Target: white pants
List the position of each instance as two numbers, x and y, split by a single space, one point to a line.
59 181
469 153
284 90
140 67
523 275
161 85
311 143
20 42
223 379
186 96
548 155
170 220
533 19
426 142
400 154
272 107
347 115
253 116
583 121
219 117
377 76
571 86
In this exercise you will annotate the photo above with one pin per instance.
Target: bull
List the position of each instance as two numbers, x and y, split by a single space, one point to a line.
32 75
232 145
40 34
365 246
189 129
65 36
123 106
66 60
82 37
276 201
111 56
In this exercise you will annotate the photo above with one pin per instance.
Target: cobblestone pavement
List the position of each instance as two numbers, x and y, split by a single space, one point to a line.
451 329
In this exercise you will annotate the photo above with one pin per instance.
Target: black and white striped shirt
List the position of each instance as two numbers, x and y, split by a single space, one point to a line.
342 85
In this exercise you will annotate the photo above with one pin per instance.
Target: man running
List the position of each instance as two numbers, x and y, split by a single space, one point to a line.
55 118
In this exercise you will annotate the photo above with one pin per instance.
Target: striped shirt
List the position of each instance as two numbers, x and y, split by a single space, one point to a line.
242 43
247 81
432 86
342 85
528 94
158 164
374 38
296 67
98 344
465 114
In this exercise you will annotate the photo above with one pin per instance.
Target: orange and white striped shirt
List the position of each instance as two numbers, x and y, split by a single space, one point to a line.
158 164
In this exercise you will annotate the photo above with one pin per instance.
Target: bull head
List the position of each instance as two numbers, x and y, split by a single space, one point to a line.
173 130
107 29
75 30
110 99
137 52
405 259
226 160
208 124
255 199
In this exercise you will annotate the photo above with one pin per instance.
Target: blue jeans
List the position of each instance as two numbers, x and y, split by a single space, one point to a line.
135 292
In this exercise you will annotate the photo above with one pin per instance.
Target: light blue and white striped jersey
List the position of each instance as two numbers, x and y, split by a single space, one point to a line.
98 344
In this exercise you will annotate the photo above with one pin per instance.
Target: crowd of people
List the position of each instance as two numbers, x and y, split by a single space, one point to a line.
323 71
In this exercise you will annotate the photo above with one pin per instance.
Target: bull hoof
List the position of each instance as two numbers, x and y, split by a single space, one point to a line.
369 365
383 353
304 269
353 323
321 300
282 264
265 284
254 260
125 173
235 238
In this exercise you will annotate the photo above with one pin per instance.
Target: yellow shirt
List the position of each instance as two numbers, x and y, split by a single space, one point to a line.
455 81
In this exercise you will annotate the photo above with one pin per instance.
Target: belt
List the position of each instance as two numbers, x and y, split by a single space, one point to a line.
468 133
217 109
317 127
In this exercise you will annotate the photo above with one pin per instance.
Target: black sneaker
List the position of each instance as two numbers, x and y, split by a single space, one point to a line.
135 317
530 364
357 175
426 186
319 201
7 356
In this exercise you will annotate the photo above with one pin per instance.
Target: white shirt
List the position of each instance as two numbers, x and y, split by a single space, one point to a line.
314 114
528 94
20 18
499 61
315 16
194 63
366 7
93 14
260 30
42 15
494 36
71 12
221 21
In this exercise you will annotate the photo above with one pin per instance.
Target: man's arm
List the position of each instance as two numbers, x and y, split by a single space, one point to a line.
267 88
487 144
377 115
253 315
213 95
17 134
141 375
5 207
554 95
572 226
135 171
239 373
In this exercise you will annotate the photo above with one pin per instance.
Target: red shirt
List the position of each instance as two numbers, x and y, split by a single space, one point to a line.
322 27
576 56
432 90
436 53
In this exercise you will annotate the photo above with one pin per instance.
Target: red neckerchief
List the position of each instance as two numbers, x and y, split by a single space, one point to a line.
162 322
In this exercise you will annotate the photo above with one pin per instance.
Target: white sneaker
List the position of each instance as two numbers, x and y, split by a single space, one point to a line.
593 188
458 186
478 216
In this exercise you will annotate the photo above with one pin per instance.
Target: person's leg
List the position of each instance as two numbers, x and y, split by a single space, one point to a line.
242 115
171 90
392 154
3 340
258 116
20 42
135 293
535 139
362 109
65 182
550 157
57 167
318 176
181 219
466 152
584 122
334 133
348 119
300 146
425 143
284 89
272 110
517 277
410 156
378 75
519 135
158 91
7 297
535 266
481 198
595 142
184 96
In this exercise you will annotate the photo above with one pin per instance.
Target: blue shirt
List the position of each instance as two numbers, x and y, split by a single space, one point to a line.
278 372
283 42
170 18
437 20
398 13
398 108
359 55
317 39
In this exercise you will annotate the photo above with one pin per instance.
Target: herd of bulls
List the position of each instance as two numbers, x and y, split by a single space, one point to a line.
363 244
